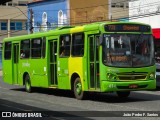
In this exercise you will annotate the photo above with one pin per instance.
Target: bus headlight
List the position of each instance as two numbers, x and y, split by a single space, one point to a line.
111 77
152 76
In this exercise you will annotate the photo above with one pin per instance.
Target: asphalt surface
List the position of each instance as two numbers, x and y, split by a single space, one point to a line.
61 105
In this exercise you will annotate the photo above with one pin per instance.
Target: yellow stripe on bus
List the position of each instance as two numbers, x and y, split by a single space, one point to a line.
76 66
77 29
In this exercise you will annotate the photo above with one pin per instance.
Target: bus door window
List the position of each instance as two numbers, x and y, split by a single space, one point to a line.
44 47
7 50
65 45
97 48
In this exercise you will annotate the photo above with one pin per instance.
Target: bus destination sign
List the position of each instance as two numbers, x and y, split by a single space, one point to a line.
127 28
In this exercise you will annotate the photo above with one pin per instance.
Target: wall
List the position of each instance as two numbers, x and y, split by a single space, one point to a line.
9 14
45 14
87 11
119 10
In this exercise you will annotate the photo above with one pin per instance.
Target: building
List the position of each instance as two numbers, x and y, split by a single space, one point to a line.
46 15
13 19
88 11
119 10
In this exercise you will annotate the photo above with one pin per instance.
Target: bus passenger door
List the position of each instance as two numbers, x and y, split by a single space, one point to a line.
93 63
15 62
63 58
53 62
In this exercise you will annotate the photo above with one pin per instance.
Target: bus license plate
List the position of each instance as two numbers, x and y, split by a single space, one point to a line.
133 86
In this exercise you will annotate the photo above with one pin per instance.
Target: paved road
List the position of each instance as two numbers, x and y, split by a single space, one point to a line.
14 98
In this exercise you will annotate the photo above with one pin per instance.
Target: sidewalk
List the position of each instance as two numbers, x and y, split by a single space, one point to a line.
0 72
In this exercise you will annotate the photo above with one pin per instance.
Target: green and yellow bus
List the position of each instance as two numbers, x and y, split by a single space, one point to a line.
101 57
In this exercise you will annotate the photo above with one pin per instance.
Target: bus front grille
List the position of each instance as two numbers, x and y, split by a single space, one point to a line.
132 76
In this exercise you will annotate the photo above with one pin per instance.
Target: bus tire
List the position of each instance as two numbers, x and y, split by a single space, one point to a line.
78 92
28 84
123 94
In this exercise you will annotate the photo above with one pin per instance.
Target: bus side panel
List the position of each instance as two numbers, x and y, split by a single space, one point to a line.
63 74
7 71
76 66
38 73
36 68
24 67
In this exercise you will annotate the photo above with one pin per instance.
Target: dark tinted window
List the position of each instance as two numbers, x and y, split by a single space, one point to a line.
7 50
16 25
36 47
3 25
25 49
44 47
65 45
78 44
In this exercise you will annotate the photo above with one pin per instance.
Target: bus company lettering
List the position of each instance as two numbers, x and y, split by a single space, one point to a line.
126 27
119 58
25 64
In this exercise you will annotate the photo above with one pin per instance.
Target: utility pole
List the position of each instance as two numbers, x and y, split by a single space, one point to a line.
31 21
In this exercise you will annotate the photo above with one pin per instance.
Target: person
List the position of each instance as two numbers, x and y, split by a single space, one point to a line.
62 52
22 54
144 47
62 47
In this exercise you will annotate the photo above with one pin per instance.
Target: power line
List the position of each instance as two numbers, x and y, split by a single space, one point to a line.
136 7
11 14
88 7
17 16
116 12
83 8
134 17
20 11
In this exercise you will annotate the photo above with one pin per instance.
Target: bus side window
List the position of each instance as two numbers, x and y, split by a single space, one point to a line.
25 49
64 45
78 44
36 48
7 50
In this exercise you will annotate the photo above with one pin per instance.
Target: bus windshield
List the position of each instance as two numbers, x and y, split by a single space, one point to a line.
128 50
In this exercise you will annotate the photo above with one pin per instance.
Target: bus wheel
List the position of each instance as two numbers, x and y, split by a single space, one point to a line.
78 92
28 83
123 94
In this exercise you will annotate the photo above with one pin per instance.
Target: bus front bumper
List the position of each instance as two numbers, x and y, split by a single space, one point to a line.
107 86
